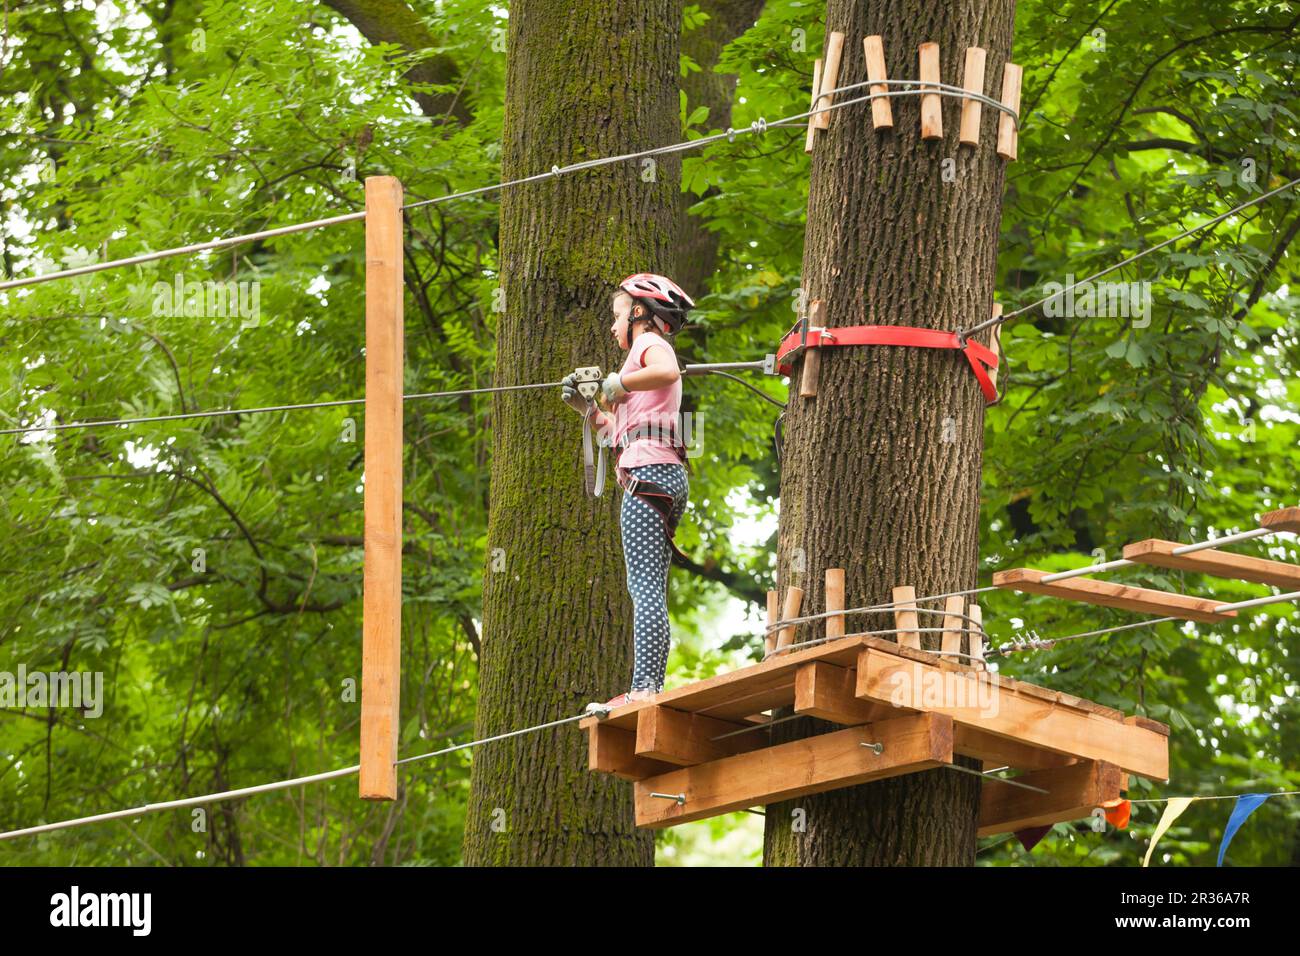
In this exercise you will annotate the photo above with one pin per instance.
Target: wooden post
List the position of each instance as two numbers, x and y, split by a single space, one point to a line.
835 601
995 343
952 627
830 77
381 628
972 82
976 640
812 358
773 609
1007 135
812 119
881 115
793 599
905 616
931 109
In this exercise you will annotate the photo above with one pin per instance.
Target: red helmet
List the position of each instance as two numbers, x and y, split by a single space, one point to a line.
662 296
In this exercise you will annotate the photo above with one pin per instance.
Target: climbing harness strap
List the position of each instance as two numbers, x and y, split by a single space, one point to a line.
981 359
593 457
661 499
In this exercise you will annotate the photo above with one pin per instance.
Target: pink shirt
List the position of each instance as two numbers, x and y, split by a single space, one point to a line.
657 408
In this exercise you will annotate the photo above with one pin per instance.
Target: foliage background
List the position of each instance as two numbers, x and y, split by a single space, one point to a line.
130 125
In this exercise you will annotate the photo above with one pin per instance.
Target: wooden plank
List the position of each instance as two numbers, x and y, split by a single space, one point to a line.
882 116
972 82
1007 135
967 699
793 600
737 694
812 358
995 344
975 638
1108 594
953 625
381 602
835 601
931 103
1284 519
773 609
1001 752
613 750
1138 720
905 619
1073 792
795 769
830 77
826 691
684 739
1220 564
812 118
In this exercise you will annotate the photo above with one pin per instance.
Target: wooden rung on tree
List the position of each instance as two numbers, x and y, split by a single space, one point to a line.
773 610
954 625
931 103
882 116
793 601
1007 132
812 357
995 344
972 82
1108 594
976 636
812 117
830 78
835 601
905 617
1284 519
1220 564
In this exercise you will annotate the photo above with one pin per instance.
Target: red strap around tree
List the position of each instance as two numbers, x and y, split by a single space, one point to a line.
981 359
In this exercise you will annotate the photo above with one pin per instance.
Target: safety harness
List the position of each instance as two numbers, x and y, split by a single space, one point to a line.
981 359
594 458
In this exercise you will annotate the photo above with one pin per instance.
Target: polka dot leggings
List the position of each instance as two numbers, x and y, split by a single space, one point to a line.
646 551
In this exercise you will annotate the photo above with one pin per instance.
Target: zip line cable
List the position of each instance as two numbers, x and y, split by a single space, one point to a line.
998 320
225 795
758 127
702 369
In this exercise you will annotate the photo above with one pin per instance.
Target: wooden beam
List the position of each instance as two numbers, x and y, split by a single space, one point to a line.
793 600
795 769
835 601
826 691
613 750
1007 134
812 357
972 82
381 602
931 103
773 610
830 77
882 117
1108 594
978 702
953 625
1220 564
812 118
1073 792
905 616
1284 519
685 739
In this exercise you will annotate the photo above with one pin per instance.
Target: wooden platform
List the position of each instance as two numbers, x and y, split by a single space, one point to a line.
920 708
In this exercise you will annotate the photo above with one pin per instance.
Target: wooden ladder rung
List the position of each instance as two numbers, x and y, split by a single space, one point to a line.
1220 564
1108 594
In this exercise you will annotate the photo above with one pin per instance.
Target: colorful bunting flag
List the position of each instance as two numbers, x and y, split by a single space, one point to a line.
1246 805
1173 810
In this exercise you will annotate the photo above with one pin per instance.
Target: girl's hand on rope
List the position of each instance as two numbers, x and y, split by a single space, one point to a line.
569 394
612 390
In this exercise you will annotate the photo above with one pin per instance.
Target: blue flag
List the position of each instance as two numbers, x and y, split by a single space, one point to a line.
1245 806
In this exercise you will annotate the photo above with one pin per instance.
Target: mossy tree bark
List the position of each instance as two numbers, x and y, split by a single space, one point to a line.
881 471
586 78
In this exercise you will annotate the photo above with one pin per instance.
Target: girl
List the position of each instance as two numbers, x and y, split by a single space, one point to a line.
645 399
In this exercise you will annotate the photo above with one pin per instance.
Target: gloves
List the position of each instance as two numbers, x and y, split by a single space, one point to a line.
569 394
612 389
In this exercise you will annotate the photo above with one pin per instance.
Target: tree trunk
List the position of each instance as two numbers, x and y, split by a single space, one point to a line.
586 78
881 471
